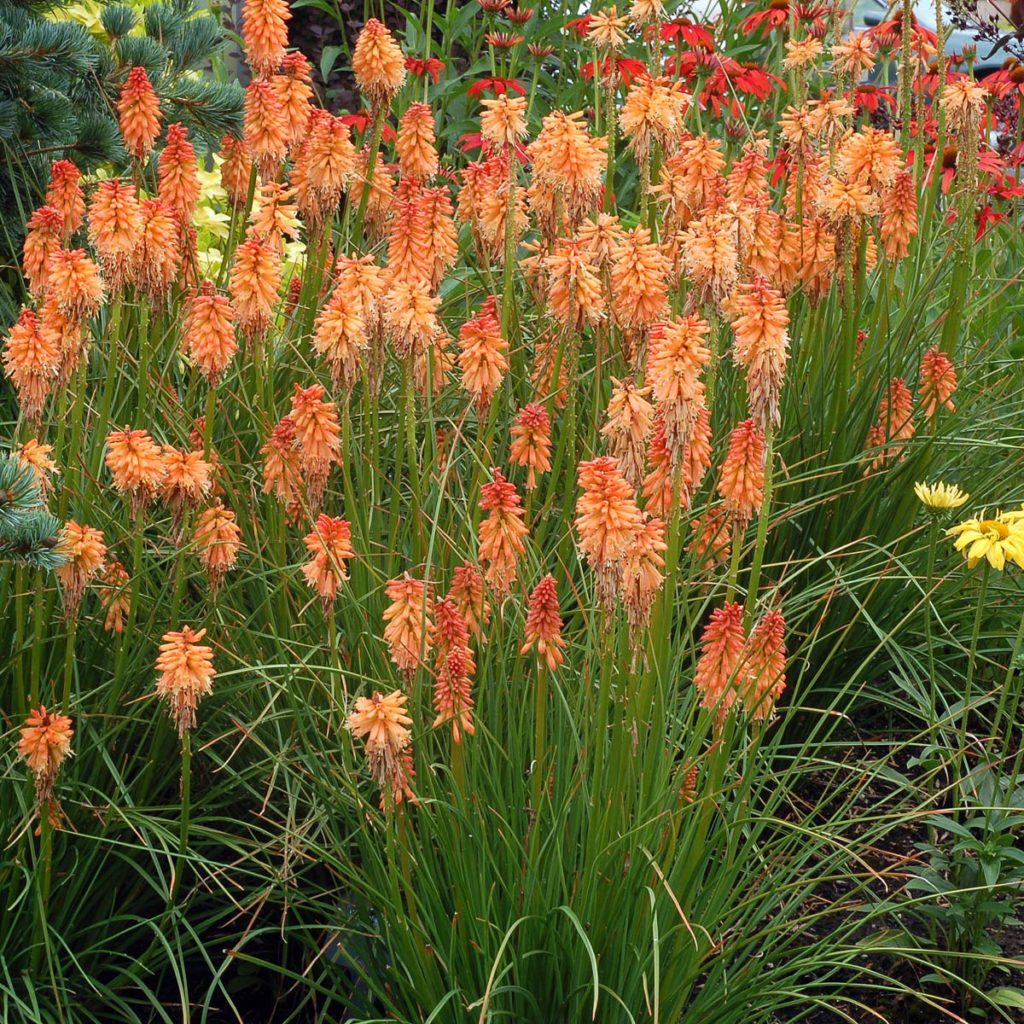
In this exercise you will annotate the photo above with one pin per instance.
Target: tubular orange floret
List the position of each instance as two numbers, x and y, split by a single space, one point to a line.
85 554
766 666
318 437
501 534
639 280
265 34
383 722
185 674
254 284
75 284
44 744
329 544
186 482
720 668
741 483
544 625
567 162
266 133
899 216
895 424
236 169
138 111
136 463
218 540
294 91
115 229
64 194
31 358
115 596
453 670
43 233
178 174
378 63
416 144
467 591
209 331
340 335
642 576
282 471
629 419
408 623
482 355
531 442
761 348
937 382
503 120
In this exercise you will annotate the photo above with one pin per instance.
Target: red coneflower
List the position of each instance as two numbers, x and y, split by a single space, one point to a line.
453 670
65 195
185 674
219 540
742 477
31 358
43 233
501 534
409 628
265 34
531 442
467 591
329 544
937 382
482 355
85 552
378 64
544 625
44 744
138 111
382 721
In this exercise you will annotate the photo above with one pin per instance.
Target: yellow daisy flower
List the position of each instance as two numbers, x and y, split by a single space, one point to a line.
938 497
999 540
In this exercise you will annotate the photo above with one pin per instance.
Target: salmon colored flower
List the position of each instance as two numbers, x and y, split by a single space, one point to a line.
963 100
653 115
236 169
742 478
44 745
660 483
409 255
266 132
282 471
318 437
378 64
710 256
502 533
157 259
294 90
761 348
218 540
115 596
765 666
467 591
66 334
453 671
410 317
34 456
937 382
606 29
138 111
710 544
31 358
185 674
254 284
641 574
187 480
574 293
629 421
326 164
209 332
720 668
115 228
416 144
408 623
568 162
639 280
844 201
265 34
895 423
503 120
870 157
64 194
329 544
136 464
274 216
340 335
178 174
544 625
531 442
482 355
43 234
74 282
383 722
85 554
899 216
607 521
854 56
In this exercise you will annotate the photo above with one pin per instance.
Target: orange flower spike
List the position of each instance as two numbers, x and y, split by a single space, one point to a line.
274 216
416 144
568 161
653 114
178 174
209 332
710 257
410 317
44 744
544 625
317 434
899 216
575 296
236 169
762 348
340 335
742 479
383 722
607 521
187 479
115 228
642 576
408 623
453 670
937 382
895 423
531 442
64 194
629 419
282 472
483 356
158 258
75 284
254 284
115 596
501 534
294 90
639 280
767 666
218 540
870 157
467 591
265 34
31 357
503 120
36 456
185 674
85 551
138 111
43 233
329 544
721 663
442 238
266 132
136 464
329 160
379 64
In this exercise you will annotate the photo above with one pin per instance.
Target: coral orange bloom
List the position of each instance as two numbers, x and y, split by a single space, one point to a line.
482 355
35 456
158 257
639 280
467 591
43 233
453 671
75 284
31 358
282 471
642 576
607 522
329 544
677 357
185 674
531 442
720 669
383 722
544 625
410 316
178 174
115 596
416 144
138 111
629 421
209 331
568 161
766 666
44 744
294 90
254 284
218 539
742 480
895 423
938 382
187 480
409 628
236 169
136 463
64 194
503 120
85 552
653 114
318 437
502 533
266 133
574 294
761 348
378 63
115 228
328 162
265 34
899 216
340 334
